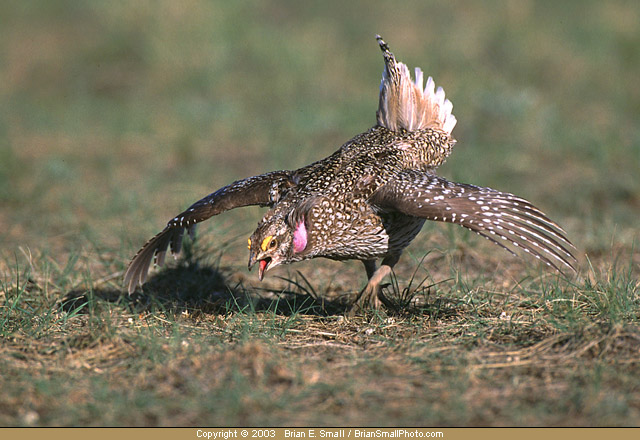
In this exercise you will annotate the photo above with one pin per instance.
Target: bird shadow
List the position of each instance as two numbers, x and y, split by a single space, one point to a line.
195 284
191 286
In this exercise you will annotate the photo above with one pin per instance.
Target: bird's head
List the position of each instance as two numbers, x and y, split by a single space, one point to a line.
270 245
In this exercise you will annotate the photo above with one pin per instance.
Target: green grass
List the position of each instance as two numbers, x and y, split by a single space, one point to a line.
116 116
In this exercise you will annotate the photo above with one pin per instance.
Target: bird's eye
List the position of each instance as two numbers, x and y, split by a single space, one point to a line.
273 243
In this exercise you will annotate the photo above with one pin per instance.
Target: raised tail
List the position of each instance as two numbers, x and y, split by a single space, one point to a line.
404 104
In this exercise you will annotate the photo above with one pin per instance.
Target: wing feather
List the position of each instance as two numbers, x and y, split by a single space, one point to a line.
265 190
503 218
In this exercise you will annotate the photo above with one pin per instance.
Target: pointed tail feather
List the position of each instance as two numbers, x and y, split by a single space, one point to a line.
405 105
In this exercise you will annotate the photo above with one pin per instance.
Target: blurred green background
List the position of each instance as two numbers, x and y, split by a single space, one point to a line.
115 115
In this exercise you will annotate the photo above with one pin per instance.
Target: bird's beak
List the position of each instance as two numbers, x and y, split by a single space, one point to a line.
252 260
263 264
263 267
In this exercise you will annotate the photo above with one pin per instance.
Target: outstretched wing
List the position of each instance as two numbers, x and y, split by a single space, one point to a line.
503 218
264 190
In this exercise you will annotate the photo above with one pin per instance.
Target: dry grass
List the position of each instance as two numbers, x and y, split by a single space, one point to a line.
190 348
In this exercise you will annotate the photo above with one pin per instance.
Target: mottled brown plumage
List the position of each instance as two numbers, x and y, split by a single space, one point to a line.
370 198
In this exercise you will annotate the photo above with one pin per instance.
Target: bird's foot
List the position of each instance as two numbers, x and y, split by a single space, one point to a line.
369 298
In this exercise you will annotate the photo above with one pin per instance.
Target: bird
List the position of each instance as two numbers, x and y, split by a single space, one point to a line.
369 199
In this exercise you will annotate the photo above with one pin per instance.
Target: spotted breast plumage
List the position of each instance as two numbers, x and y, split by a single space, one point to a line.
369 199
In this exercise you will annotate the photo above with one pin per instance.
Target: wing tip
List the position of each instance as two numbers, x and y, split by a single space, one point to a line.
152 251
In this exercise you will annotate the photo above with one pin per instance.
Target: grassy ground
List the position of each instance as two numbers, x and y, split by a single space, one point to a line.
114 116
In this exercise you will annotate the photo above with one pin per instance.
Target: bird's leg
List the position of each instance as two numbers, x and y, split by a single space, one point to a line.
362 298
372 293
370 267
